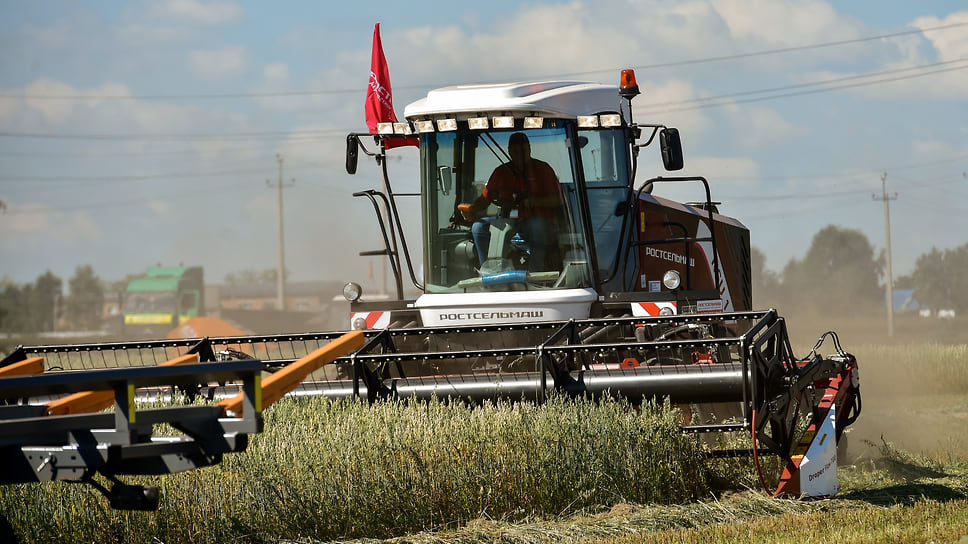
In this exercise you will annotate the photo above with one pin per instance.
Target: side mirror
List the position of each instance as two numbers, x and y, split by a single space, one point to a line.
352 153
671 147
621 208
445 179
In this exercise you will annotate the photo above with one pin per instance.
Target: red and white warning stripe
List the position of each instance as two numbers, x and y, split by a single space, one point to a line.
640 309
373 320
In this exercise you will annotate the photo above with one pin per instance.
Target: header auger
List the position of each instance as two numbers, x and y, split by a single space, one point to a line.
748 383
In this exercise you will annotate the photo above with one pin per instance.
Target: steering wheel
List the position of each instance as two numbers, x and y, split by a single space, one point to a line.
506 198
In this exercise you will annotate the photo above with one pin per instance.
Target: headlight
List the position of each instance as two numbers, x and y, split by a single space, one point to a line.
671 280
477 123
504 121
352 291
359 324
425 125
611 120
446 125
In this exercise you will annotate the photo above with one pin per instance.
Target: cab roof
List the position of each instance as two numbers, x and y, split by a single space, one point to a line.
564 99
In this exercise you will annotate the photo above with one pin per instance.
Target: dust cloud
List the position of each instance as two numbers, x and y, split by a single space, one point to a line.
914 383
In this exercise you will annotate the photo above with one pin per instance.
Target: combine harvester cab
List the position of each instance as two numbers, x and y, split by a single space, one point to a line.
576 240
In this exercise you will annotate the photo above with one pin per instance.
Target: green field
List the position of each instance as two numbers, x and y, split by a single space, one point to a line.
336 471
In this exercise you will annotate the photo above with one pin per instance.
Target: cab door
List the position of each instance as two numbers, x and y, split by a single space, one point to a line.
607 189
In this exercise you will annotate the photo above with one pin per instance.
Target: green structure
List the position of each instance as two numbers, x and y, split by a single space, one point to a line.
165 297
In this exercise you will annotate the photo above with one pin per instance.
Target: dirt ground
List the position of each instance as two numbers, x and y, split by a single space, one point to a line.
932 425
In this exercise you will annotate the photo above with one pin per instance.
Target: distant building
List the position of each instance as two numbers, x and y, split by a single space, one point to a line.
904 301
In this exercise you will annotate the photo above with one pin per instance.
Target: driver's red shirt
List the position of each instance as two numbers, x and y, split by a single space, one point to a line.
507 183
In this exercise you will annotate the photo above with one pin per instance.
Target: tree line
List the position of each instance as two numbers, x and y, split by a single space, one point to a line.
839 273
42 306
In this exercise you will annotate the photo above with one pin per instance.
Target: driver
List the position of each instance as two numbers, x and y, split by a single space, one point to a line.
532 186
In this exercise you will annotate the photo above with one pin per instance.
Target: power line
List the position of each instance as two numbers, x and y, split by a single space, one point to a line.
282 94
125 154
88 181
812 83
801 210
847 192
697 103
804 196
181 195
932 206
136 177
236 136
805 92
847 174
934 182
796 48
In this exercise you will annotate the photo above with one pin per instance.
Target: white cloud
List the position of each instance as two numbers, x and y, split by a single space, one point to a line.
320 144
516 48
276 79
9 109
784 22
760 126
659 101
742 173
44 96
932 149
22 225
54 112
54 35
724 167
160 207
903 82
146 36
217 64
77 226
902 66
276 72
211 12
950 44
261 205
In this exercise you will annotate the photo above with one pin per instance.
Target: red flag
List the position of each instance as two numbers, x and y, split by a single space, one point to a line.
379 96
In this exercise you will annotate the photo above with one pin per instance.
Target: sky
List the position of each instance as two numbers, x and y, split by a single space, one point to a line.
134 133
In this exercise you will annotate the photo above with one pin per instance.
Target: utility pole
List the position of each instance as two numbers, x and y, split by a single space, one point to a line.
889 287
281 270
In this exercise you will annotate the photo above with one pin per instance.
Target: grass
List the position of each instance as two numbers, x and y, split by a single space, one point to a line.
891 497
563 471
343 469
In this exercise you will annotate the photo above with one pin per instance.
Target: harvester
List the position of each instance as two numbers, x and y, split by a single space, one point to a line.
609 291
